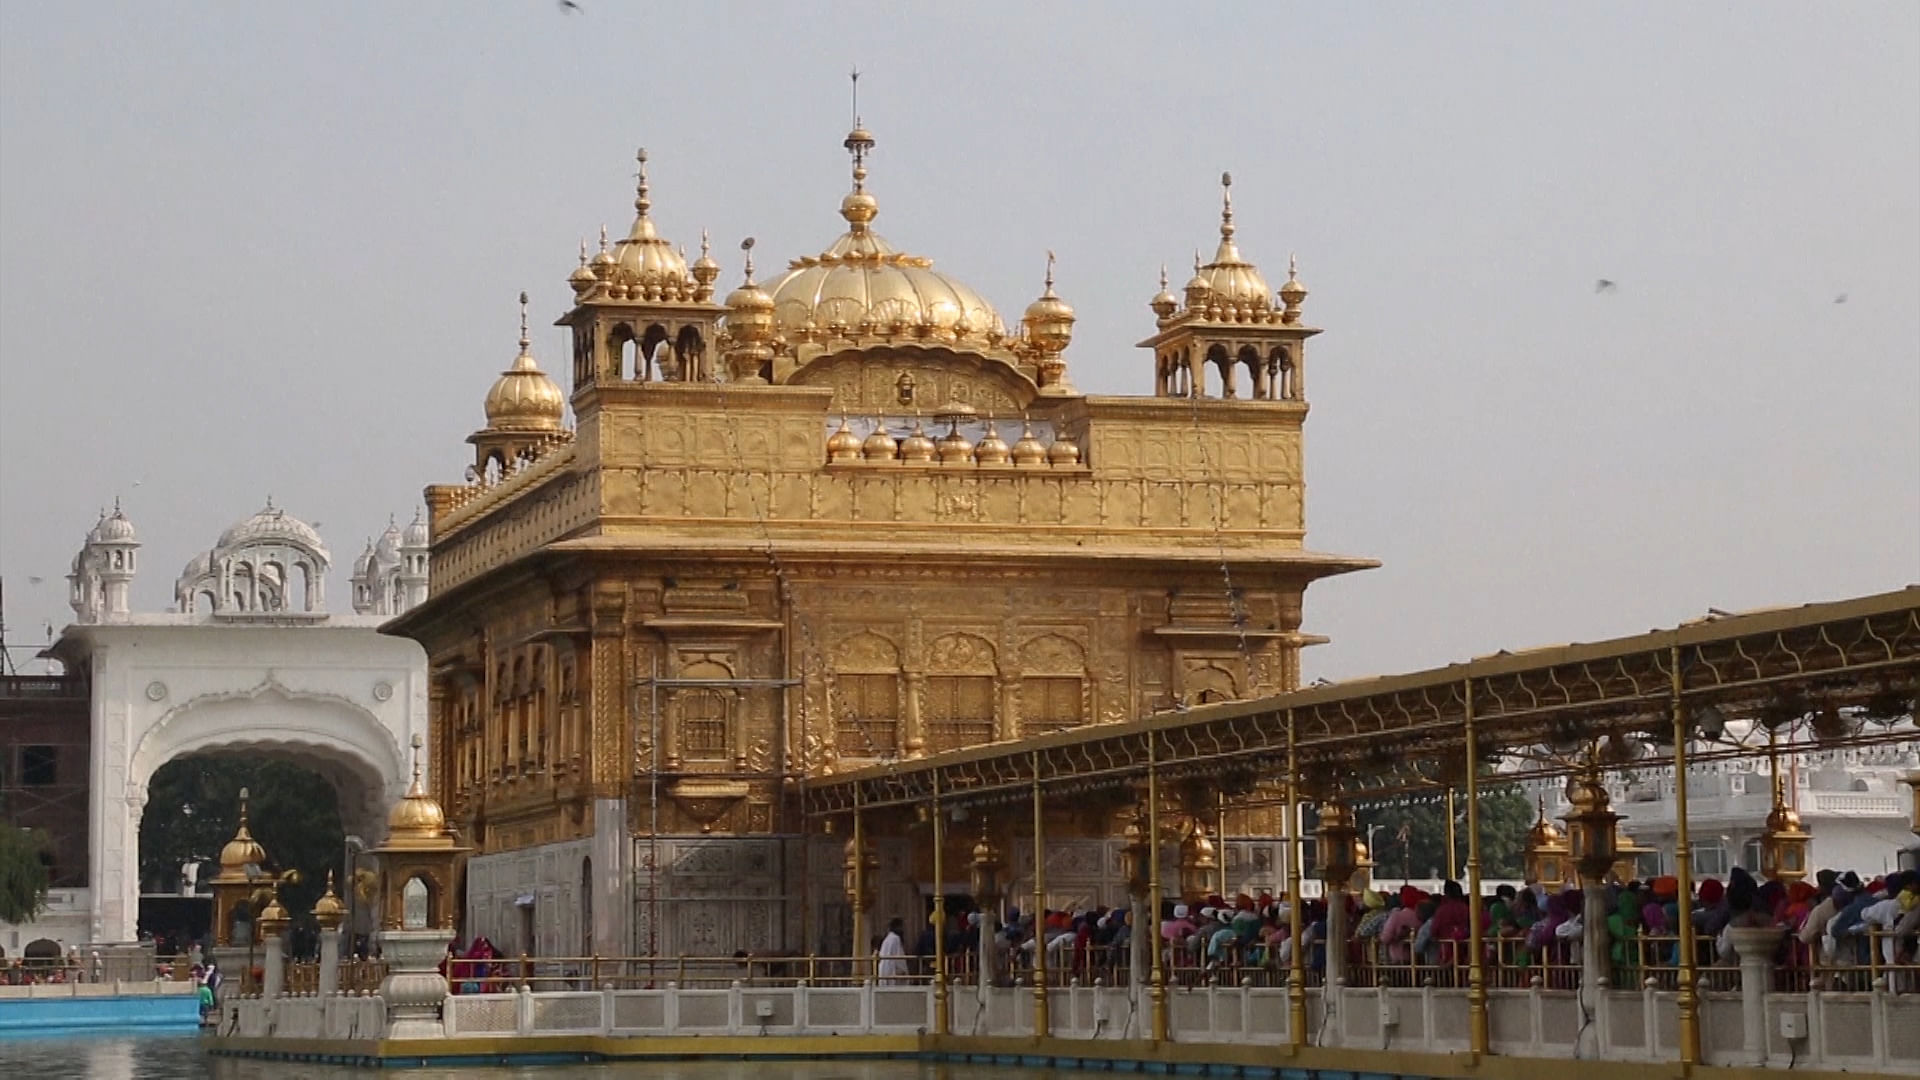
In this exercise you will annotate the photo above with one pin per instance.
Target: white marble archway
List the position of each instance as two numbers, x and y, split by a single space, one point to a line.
343 699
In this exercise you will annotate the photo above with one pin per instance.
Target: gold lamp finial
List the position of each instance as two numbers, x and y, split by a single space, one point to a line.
1049 291
525 342
641 203
1163 267
243 808
417 743
747 246
1226 206
603 236
859 141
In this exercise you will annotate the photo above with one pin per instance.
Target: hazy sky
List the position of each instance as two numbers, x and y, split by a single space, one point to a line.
274 248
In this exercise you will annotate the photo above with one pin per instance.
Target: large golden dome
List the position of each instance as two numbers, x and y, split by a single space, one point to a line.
861 287
645 265
523 398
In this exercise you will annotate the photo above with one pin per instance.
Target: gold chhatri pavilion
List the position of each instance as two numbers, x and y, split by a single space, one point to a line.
849 516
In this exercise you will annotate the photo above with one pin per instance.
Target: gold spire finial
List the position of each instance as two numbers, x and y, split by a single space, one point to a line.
1163 276
525 342
603 237
583 251
1049 291
859 141
1293 267
706 247
243 808
417 743
641 203
1226 206
747 246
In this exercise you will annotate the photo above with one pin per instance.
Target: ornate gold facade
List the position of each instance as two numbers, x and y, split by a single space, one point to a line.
846 516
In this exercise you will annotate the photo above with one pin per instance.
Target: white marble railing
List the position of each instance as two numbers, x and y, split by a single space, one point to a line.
305 1016
1874 1030
734 1010
110 988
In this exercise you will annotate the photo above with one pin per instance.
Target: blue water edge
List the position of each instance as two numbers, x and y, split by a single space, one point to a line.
41 1017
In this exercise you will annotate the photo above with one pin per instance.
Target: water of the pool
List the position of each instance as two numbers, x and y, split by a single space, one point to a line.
99 1057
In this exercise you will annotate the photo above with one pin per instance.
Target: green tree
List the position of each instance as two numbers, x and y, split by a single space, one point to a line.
1411 839
193 808
23 874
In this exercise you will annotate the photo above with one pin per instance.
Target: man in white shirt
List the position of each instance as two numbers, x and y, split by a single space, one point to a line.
893 955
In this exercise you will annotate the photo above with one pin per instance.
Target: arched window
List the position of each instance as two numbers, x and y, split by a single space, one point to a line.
1218 359
1053 685
650 342
866 696
691 351
960 692
704 725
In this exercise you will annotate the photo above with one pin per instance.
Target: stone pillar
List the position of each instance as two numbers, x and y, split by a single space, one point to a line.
1755 947
273 959
330 962
1336 941
414 989
1593 942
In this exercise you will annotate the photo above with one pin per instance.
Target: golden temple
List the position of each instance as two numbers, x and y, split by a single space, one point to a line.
844 518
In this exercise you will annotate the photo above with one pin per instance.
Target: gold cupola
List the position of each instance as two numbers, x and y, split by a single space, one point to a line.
1164 303
1234 285
243 850
748 325
645 265
861 289
523 398
1048 325
417 821
705 271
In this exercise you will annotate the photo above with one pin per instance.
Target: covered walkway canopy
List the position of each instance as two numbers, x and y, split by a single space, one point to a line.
1839 673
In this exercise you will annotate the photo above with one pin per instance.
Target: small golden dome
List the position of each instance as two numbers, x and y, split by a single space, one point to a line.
583 279
523 398
705 270
417 820
1232 282
749 309
992 449
844 445
1293 292
1049 320
243 849
328 911
1063 452
603 261
1164 303
1784 819
953 447
273 915
916 446
1544 834
646 265
879 446
1197 289
1028 453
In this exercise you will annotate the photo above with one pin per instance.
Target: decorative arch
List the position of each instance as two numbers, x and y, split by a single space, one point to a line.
703 721
1217 358
869 381
1054 687
962 685
864 695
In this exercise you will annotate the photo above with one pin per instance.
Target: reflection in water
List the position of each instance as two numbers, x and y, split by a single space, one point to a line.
179 1057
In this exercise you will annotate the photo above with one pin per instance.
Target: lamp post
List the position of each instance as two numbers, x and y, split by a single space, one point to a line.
349 845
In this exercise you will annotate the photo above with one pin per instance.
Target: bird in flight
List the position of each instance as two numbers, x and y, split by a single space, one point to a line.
1841 299
569 7
1603 285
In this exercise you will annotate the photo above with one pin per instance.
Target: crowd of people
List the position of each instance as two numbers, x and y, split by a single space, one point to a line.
1838 930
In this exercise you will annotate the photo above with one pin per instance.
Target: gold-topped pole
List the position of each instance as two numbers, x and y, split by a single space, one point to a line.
1157 995
1042 1025
856 868
939 913
1296 921
1453 850
1476 917
1685 1000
